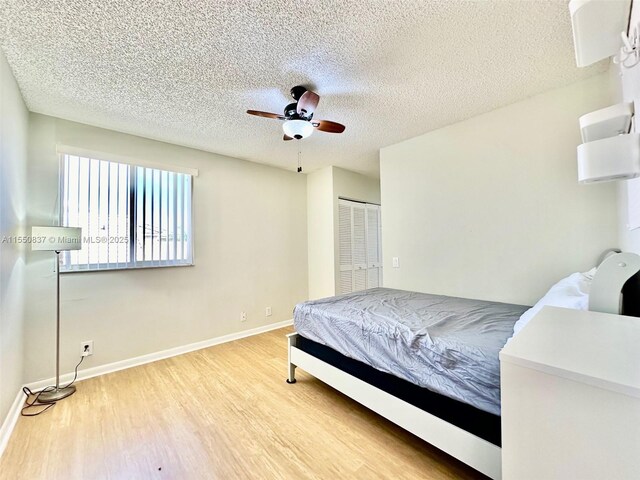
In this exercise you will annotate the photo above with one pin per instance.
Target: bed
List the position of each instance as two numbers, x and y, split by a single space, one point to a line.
445 344
429 363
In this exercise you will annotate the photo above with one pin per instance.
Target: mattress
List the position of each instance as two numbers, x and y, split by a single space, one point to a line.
482 424
445 344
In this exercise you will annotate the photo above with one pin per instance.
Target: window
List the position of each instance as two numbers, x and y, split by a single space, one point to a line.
131 216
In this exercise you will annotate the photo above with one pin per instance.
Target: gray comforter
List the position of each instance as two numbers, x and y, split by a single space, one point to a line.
446 344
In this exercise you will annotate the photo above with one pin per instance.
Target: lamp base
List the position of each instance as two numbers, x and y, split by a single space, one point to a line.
55 395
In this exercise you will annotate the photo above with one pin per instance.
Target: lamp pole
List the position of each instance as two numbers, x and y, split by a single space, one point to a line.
53 395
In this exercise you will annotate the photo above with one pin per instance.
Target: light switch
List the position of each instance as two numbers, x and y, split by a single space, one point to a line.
396 262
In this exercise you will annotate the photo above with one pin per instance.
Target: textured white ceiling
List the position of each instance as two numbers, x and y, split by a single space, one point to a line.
186 71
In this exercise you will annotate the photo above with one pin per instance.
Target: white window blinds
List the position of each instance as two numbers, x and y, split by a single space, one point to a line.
131 216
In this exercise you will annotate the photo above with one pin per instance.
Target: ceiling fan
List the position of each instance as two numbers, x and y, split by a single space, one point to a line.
298 116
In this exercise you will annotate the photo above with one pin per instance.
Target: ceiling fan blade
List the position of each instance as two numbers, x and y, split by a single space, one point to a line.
286 138
307 103
258 113
328 126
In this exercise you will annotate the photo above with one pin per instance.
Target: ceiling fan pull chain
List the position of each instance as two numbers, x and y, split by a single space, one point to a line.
299 161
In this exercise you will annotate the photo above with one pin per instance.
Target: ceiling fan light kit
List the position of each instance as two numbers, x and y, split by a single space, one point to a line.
297 129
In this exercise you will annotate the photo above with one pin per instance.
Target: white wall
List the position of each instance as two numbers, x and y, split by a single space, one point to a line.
13 164
490 207
627 88
250 230
320 228
629 240
324 188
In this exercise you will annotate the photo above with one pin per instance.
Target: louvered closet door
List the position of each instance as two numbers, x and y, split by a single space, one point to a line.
359 247
374 250
344 244
359 243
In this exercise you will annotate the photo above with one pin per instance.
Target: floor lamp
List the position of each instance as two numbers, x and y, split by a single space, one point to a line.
56 239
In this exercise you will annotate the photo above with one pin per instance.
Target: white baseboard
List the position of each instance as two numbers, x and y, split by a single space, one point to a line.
10 421
152 357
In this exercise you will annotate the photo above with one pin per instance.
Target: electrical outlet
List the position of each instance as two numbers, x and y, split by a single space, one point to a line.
243 316
267 312
396 262
86 348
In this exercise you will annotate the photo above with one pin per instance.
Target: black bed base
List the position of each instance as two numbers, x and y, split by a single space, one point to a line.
482 424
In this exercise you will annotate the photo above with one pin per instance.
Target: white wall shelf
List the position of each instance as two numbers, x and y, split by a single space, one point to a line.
613 158
597 25
607 122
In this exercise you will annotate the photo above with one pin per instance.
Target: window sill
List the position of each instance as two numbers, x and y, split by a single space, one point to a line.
119 269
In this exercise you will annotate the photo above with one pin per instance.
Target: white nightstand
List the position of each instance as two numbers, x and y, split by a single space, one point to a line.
571 398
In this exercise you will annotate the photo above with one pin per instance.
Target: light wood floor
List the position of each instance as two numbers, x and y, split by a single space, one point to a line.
220 413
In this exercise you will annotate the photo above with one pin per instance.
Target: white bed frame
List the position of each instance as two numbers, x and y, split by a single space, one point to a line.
605 296
466 447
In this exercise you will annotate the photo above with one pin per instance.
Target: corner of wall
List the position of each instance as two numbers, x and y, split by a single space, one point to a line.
13 174
320 232
625 85
324 188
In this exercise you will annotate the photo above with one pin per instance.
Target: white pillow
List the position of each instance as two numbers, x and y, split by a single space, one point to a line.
570 292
